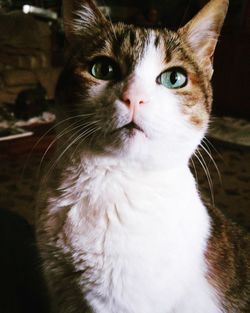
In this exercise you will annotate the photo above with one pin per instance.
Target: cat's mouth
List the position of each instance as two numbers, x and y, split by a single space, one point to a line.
131 126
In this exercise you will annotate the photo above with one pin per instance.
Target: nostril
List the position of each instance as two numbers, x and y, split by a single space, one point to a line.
127 101
134 94
132 98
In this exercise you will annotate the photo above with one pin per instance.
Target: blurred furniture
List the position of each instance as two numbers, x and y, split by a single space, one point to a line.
34 145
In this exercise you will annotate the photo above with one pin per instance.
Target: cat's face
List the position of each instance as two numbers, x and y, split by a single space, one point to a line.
142 94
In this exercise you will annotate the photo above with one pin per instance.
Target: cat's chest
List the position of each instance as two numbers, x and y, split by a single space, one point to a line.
138 243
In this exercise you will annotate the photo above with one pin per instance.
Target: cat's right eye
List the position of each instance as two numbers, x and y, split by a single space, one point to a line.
104 68
173 78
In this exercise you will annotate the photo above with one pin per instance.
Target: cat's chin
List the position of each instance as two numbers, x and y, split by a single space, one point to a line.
128 137
129 142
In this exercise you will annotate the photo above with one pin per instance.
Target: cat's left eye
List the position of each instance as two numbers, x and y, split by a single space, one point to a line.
103 69
173 78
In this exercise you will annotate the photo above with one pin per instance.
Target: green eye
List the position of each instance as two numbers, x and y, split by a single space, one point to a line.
173 78
103 69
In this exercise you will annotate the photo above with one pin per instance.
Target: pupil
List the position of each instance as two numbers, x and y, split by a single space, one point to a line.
105 69
173 78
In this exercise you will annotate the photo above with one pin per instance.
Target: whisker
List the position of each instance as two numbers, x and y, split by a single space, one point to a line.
66 131
205 168
195 171
68 147
55 126
83 138
209 143
213 161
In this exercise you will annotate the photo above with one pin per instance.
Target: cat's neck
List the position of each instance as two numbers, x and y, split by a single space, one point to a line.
97 163
101 185
97 171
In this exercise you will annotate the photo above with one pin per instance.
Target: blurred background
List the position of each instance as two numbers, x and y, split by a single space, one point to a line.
31 58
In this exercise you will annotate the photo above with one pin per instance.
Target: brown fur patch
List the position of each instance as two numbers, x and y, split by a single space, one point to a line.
197 121
228 259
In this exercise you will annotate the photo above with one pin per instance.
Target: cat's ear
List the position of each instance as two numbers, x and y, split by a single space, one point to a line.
202 32
80 16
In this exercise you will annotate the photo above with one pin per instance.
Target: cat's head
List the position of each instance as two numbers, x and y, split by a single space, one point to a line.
142 94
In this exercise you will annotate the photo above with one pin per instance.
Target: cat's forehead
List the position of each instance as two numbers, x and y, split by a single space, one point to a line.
131 44
128 45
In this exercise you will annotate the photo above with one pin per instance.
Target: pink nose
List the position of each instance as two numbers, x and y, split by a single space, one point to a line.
133 96
132 100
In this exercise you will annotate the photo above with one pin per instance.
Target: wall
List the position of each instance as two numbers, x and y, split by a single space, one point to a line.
25 56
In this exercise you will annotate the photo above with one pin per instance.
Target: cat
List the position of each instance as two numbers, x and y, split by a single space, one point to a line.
120 225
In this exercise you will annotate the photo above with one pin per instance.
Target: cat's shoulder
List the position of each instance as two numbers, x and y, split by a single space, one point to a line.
224 228
228 259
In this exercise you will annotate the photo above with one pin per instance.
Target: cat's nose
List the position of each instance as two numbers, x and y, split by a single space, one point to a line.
133 97
132 100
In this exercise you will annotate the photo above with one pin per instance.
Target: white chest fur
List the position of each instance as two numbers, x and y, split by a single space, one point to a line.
140 240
